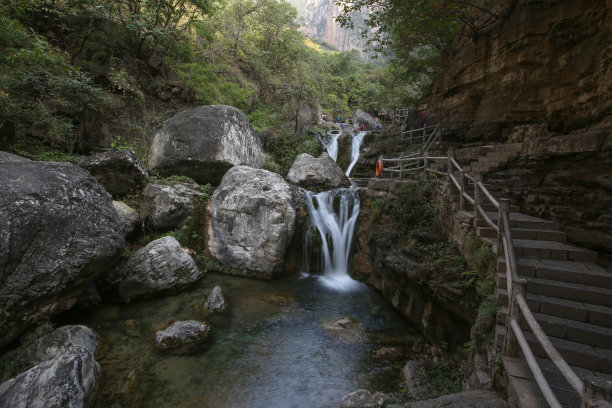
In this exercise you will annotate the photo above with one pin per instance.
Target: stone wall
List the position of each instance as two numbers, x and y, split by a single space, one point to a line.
545 62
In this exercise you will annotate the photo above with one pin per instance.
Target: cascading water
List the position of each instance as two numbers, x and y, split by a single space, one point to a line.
355 146
333 215
331 144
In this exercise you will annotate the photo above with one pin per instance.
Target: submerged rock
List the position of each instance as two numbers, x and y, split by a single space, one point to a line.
215 301
320 173
347 330
182 337
129 216
65 374
252 222
204 142
363 399
58 231
119 171
170 205
160 267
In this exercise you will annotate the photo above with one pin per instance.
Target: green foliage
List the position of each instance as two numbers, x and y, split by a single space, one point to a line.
413 206
285 146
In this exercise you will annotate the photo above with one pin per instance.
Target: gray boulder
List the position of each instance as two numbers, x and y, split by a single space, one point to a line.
67 381
160 267
363 399
129 216
169 205
363 118
65 372
320 173
119 171
215 301
204 142
252 221
58 231
182 337
72 339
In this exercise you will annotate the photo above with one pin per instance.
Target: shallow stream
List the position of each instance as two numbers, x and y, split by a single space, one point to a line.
269 349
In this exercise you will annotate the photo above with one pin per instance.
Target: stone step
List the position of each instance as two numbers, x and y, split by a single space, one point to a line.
518 220
523 233
529 248
580 311
576 354
582 273
570 291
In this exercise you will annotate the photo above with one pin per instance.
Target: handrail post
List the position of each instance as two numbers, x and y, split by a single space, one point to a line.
462 205
450 167
424 133
426 165
511 347
504 211
401 165
477 199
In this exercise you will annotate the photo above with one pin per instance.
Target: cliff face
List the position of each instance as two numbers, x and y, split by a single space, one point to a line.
542 76
546 62
319 21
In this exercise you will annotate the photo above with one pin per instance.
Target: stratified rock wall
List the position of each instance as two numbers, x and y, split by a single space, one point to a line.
319 20
547 62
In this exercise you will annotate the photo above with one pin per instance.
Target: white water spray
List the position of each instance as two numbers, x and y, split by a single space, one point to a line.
355 146
331 144
333 215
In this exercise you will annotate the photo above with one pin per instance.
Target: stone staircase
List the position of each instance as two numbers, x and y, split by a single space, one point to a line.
570 297
496 156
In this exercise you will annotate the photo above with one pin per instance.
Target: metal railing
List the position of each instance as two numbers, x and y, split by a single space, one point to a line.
514 340
420 135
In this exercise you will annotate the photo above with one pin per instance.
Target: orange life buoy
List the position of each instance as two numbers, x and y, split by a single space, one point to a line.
378 168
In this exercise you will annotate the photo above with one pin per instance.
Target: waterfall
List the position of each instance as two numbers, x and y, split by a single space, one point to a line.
355 146
333 215
331 144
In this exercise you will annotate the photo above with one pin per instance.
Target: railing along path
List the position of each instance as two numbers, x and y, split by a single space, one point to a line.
514 340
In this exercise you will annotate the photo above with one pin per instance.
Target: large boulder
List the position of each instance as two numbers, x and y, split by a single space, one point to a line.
363 118
65 373
169 205
71 339
119 171
68 381
252 221
204 142
182 337
319 173
160 267
58 231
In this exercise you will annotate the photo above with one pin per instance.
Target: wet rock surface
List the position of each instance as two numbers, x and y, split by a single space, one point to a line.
58 231
65 374
204 142
159 268
119 171
320 173
215 302
252 222
182 337
468 399
363 399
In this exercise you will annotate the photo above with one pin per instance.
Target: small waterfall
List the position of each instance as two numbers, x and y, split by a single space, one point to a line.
331 144
333 215
355 146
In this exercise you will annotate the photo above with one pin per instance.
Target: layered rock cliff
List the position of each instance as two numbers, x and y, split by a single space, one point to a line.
540 76
319 21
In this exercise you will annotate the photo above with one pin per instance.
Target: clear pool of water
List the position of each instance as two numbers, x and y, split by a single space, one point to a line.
270 349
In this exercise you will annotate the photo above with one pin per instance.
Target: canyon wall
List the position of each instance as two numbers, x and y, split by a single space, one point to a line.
319 21
540 76
545 61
